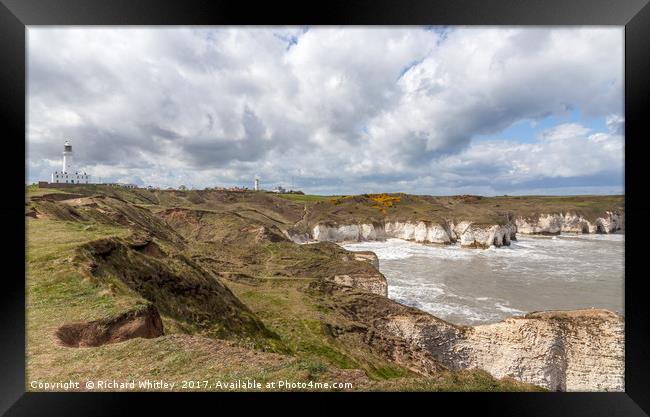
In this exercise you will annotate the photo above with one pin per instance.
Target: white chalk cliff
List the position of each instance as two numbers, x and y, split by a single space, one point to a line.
469 234
611 222
579 350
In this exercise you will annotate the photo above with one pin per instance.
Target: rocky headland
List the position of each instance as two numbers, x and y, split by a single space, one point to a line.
474 225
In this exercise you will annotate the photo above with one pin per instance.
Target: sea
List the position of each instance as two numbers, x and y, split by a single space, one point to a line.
479 286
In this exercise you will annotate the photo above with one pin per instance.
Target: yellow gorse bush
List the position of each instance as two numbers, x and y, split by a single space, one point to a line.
384 200
380 201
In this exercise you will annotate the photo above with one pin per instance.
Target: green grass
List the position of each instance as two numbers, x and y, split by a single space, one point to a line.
34 191
306 197
57 293
474 380
286 308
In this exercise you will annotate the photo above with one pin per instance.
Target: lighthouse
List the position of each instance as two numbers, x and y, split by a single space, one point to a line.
67 156
67 176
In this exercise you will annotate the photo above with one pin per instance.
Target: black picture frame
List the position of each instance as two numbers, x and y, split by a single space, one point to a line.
15 15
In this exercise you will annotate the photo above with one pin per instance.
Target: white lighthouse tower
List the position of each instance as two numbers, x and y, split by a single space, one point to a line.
257 184
66 176
67 156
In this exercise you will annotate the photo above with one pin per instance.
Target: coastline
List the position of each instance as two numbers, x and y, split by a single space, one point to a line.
216 267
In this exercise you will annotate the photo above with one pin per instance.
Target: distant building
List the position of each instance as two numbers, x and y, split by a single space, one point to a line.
280 189
237 189
257 184
120 184
67 175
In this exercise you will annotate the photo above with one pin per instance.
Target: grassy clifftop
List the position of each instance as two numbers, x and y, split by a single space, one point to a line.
373 208
288 209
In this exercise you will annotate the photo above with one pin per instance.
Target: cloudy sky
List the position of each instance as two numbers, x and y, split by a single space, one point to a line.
435 110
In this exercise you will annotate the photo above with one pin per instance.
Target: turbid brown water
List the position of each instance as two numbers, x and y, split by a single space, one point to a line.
471 286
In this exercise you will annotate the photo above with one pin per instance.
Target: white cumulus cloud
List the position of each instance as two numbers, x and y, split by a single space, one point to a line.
341 110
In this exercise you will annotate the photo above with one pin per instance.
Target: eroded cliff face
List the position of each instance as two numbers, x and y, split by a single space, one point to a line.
372 282
553 224
483 236
580 350
419 232
469 234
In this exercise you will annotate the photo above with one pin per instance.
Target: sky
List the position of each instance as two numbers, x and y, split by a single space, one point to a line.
332 110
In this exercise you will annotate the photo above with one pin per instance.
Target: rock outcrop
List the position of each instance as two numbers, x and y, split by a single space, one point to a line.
375 284
426 232
469 234
347 233
371 281
580 350
483 236
367 256
554 224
